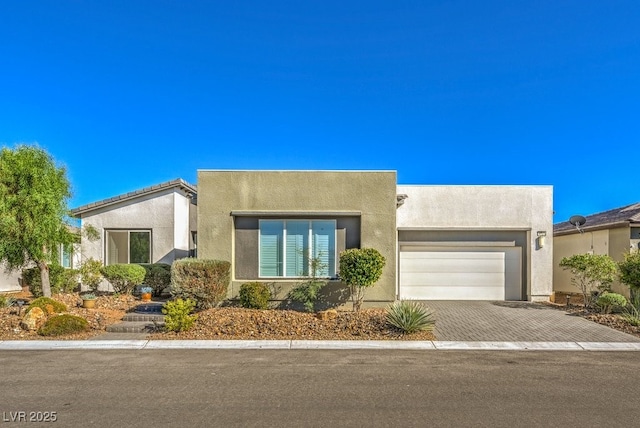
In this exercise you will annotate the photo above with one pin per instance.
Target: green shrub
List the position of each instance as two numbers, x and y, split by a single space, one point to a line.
42 302
360 268
631 312
91 273
591 273
254 295
32 278
205 281
610 301
630 270
157 276
63 324
178 315
6 301
410 316
307 293
123 277
66 281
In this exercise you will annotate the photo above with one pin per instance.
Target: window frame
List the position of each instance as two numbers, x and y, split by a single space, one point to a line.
128 231
332 268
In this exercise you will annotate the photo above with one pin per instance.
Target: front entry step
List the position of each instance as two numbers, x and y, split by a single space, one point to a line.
146 318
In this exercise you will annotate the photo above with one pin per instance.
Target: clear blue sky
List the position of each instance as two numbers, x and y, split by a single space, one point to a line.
131 93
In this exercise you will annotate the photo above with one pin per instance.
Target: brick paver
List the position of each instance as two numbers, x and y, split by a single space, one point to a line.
515 322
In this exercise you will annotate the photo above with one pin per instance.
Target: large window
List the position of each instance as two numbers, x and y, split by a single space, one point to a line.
128 246
65 256
288 248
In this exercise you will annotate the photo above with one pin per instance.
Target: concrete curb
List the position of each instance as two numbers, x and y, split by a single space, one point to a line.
45 345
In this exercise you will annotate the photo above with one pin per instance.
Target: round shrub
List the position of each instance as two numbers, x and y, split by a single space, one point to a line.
360 268
178 315
90 273
204 281
123 277
254 295
43 302
410 316
609 301
158 277
63 324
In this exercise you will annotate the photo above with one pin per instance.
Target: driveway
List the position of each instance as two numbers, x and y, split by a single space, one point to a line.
516 322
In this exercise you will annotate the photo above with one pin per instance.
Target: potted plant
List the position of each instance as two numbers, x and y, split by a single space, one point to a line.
88 300
145 293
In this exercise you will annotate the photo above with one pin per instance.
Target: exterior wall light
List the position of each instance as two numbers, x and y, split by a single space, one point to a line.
542 235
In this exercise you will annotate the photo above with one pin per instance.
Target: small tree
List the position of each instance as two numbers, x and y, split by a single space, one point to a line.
591 272
308 291
91 273
33 209
360 269
630 271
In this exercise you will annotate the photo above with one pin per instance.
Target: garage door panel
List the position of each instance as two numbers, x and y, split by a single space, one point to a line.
455 293
453 265
487 273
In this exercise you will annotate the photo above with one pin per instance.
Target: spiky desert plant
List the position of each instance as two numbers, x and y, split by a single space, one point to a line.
410 316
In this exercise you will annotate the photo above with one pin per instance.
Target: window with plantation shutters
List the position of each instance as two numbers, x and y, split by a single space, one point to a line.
288 247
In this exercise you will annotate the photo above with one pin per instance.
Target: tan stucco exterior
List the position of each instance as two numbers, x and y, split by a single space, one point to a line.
614 242
371 195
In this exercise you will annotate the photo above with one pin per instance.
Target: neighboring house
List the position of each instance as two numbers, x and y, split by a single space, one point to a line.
439 242
156 224
614 233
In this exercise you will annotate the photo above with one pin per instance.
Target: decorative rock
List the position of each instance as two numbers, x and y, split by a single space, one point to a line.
329 314
32 319
49 309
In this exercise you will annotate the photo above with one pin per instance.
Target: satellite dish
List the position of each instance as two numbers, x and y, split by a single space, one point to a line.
577 221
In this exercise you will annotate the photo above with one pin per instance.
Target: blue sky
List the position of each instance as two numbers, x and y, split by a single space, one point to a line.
127 94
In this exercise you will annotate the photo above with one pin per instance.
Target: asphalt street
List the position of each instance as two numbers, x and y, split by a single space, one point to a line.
234 388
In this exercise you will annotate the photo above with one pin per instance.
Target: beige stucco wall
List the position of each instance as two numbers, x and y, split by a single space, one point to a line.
613 242
9 281
165 213
517 208
373 193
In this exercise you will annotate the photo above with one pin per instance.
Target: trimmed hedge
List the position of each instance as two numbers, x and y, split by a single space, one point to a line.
124 277
157 276
204 281
254 295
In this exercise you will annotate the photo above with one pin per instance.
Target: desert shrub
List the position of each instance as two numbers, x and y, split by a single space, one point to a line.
178 315
31 276
591 274
204 281
360 268
307 293
157 276
63 324
91 273
611 301
631 312
43 302
66 281
6 301
254 295
410 316
123 277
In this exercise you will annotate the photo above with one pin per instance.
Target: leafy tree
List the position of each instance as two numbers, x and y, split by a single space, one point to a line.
33 209
630 270
360 269
591 272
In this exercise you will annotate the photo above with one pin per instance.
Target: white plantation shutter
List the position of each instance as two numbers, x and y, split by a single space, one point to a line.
324 246
297 247
271 234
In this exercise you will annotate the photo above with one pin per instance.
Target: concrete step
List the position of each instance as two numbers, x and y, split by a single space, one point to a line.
135 316
133 327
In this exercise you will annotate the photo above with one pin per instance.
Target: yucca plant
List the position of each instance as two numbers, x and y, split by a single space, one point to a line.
410 316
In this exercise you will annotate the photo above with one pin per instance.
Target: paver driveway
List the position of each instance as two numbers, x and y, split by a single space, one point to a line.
516 322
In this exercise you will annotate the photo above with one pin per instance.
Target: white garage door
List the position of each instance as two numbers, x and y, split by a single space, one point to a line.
461 273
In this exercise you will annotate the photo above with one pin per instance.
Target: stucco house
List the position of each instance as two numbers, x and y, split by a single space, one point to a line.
156 224
613 232
439 242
